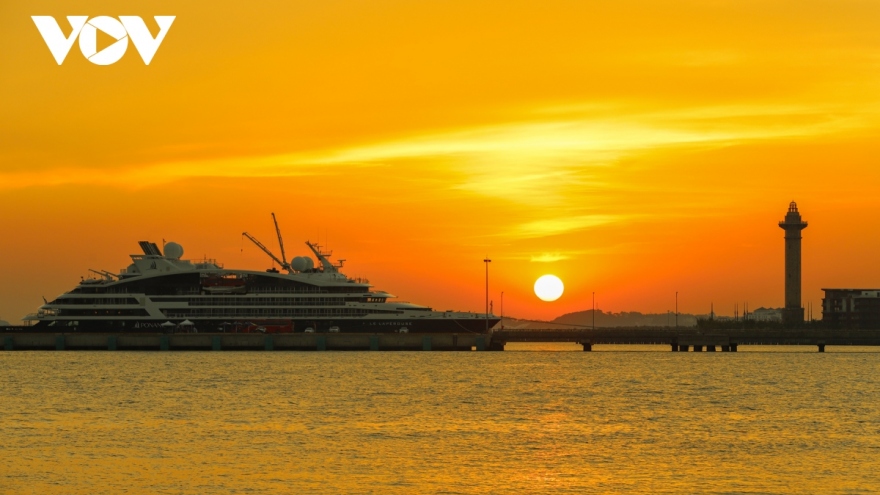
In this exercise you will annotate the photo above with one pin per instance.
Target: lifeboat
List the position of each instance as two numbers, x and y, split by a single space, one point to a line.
224 285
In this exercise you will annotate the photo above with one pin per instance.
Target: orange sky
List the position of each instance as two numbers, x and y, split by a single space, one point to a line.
632 148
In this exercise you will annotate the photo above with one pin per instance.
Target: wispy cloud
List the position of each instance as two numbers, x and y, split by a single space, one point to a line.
549 257
556 226
533 161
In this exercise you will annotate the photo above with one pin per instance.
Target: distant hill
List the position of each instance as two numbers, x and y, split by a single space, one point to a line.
627 319
622 319
517 324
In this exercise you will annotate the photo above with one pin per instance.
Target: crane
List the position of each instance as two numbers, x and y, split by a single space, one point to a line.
260 245
280 243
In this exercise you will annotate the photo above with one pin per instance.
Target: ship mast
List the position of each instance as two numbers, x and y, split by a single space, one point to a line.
323 258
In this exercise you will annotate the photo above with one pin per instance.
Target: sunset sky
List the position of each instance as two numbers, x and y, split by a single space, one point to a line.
632 148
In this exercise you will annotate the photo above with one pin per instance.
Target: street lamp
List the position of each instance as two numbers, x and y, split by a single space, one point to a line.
487 261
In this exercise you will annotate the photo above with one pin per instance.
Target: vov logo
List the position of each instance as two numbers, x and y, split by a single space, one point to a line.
127 26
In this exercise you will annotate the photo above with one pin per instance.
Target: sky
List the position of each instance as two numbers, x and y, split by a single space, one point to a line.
633 148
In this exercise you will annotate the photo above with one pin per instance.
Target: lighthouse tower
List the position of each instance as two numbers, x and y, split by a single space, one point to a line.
793 225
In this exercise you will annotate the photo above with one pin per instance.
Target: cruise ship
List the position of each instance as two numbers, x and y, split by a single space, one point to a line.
161 292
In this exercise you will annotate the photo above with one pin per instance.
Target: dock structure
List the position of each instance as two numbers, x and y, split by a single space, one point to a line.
493 341
683 341
245 341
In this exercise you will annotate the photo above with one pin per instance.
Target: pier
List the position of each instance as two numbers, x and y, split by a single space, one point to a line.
244 342
681 341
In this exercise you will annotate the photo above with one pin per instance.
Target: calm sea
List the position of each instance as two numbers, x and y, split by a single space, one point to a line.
763 420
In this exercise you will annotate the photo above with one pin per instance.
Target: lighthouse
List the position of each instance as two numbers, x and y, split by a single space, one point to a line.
793 225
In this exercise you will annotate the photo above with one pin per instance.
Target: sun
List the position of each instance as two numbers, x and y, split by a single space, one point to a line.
548 288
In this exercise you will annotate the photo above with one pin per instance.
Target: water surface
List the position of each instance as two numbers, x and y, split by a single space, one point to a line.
755 421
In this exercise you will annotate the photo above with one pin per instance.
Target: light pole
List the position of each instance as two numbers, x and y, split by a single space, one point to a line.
676 309
487 261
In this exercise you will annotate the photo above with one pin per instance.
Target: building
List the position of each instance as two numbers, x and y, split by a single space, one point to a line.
793 313
851 308
766 314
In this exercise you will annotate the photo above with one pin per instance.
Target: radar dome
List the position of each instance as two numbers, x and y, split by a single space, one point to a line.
309 263
298 263
173 250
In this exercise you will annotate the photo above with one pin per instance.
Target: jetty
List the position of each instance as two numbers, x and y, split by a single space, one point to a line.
690 339
678 340
73 341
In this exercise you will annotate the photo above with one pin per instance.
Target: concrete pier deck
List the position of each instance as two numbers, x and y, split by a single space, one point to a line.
681 340
244 342
493 341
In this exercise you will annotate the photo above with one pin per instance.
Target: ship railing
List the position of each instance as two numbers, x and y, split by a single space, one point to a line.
199 313
249 303
273 290
206 263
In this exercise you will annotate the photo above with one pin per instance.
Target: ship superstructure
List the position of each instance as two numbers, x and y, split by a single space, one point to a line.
160 291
